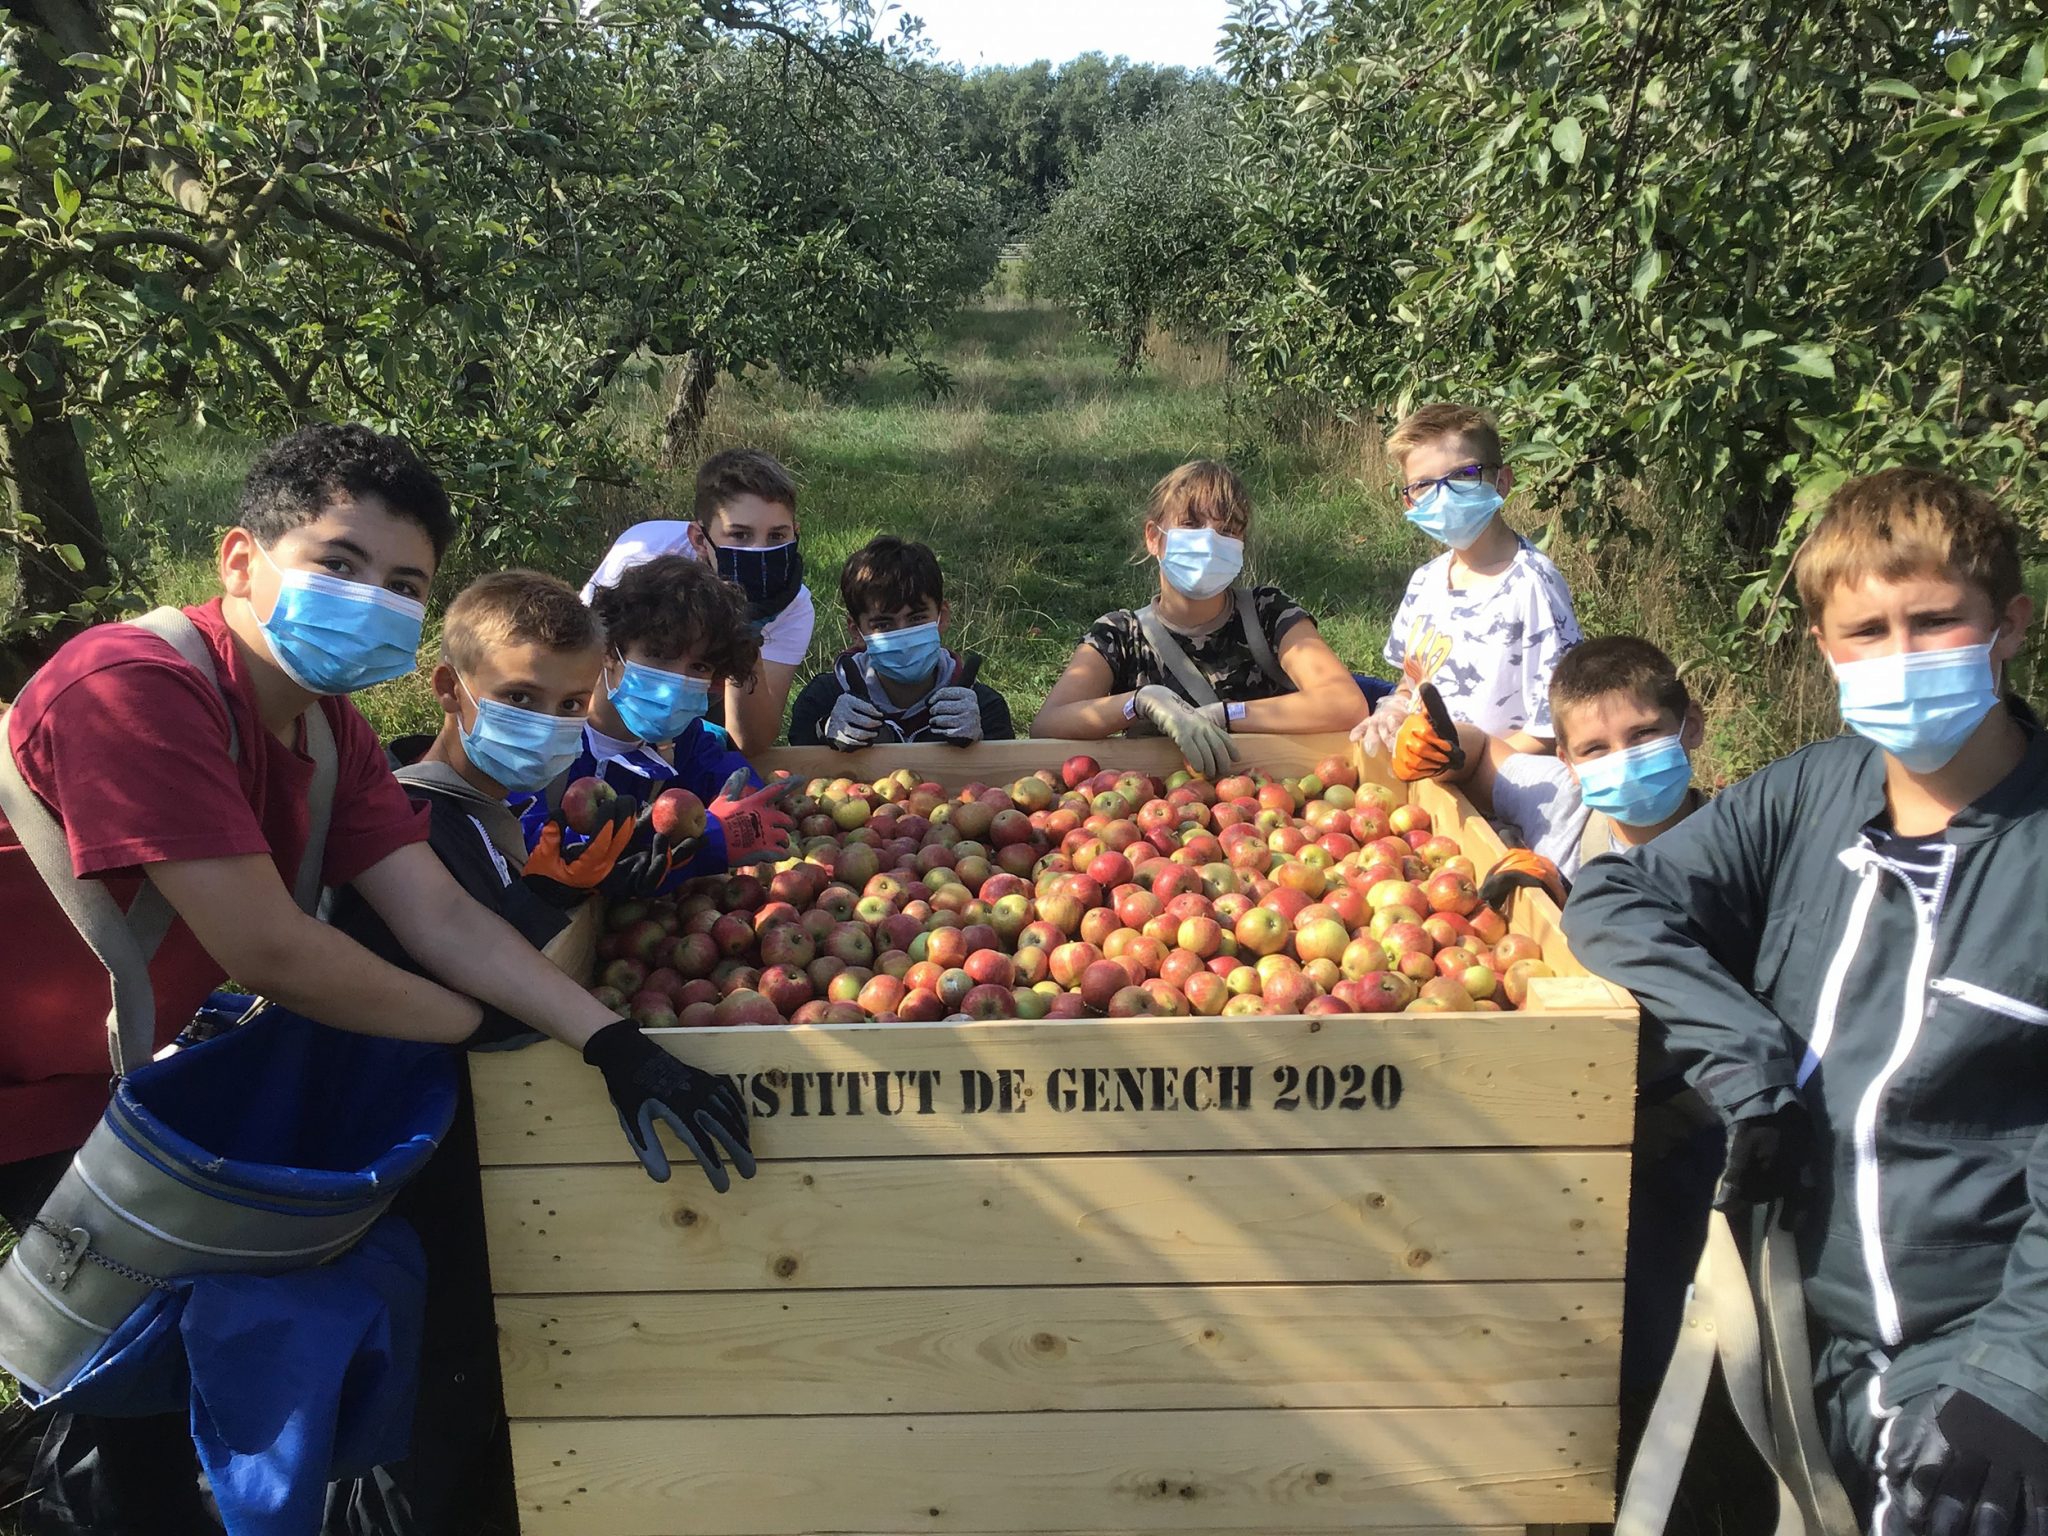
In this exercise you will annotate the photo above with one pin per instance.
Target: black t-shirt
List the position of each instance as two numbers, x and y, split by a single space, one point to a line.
1223 655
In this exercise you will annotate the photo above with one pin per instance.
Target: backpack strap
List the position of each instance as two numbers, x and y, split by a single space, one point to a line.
1764 1362
1255 637
125 942
1199 689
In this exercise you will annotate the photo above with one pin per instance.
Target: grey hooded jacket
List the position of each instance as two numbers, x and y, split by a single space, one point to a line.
1776 953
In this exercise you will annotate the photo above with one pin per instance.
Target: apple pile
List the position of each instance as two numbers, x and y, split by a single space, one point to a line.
1078 892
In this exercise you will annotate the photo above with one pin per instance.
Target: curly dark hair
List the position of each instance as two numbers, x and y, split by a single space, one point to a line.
298 477
676 607
887 575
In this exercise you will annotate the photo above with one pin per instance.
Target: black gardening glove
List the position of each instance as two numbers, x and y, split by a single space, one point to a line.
1770 1158
1959 1467
650 864
647 1085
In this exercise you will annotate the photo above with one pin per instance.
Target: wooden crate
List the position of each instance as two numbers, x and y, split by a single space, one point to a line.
1247 1275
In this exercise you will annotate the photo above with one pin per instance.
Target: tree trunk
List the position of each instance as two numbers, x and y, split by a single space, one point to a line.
685 418
49 497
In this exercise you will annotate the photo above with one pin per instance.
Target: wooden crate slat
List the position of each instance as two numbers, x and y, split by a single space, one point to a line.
1064 1348
1316 1470
1493 1080
1194 1219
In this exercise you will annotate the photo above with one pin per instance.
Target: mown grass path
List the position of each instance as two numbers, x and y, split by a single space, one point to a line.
1029 479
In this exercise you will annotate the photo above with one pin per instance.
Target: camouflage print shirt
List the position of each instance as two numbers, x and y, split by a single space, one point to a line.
1491 648
1223 655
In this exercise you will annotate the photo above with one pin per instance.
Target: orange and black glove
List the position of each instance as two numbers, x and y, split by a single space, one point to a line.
1427 743
568 879
756 828
1517 869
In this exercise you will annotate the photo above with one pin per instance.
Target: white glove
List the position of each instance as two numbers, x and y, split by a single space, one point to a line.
1203 735
1376 732
854 724
956 714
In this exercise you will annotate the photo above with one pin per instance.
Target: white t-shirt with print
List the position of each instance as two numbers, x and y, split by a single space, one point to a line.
784 638
1490 648
1536 805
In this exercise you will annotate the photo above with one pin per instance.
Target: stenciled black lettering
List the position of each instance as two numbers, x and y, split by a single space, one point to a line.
977 1091
851 1081
1010 1098
1289 1079
887 1103
799 1099
1233 1087
1321 1087
1130 1088
1165 1088
1386 1085
822 1081
1059 1088
767 1102
1203 1078
1094 1088
1354 1087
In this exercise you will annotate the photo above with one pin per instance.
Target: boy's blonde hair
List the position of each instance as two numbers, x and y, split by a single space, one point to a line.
1203 492
1908 522
516 608
1434 423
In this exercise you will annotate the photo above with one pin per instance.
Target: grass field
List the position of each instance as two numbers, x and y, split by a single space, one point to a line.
1028 478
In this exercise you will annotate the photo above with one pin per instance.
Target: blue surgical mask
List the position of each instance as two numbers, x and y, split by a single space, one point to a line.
1640 785
1455 515
905 655
521 749
658 706
1920 706
1200 562
332 636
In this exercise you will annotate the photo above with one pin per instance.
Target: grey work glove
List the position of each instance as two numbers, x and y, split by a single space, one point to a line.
956 715
1377 731
1956 1466
1202 734
854 723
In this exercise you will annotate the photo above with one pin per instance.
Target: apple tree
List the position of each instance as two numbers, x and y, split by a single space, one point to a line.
1141 235
1732 255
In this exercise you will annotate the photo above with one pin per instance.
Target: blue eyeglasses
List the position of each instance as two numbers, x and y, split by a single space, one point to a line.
1466 474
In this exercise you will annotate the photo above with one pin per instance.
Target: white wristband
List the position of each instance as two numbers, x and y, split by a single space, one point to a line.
1233 712
1131 707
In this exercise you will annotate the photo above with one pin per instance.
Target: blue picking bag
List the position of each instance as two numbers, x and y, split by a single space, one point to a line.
271 1148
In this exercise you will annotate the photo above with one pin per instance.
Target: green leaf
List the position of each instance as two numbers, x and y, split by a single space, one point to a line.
1959 64
1649 272
70 555
1569 140
1903 90
1816 362
68 196
1931 189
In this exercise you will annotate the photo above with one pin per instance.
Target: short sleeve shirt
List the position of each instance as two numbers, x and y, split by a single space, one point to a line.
785 638
1536 805
127 746
1490 649
1223 655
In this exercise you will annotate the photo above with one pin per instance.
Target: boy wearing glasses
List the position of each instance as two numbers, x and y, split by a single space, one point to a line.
1486 620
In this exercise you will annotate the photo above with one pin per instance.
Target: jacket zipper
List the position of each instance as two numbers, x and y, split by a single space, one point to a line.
1869 1205
1993 1002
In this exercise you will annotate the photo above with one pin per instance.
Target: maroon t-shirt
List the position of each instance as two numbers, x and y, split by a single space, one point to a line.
128 746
